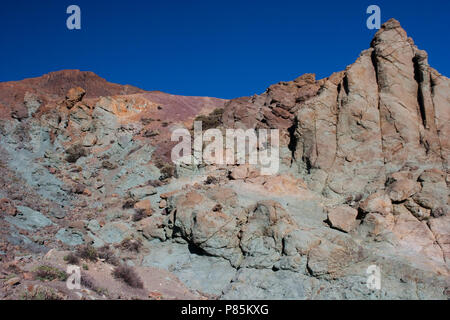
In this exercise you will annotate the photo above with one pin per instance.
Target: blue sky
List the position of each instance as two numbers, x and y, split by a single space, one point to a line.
224 49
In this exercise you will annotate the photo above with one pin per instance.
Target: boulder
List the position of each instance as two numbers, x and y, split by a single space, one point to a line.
434 193
239 172
416 236
377 202
268 224
375 224
343 218
402 189
139 193
418 211
331 259
162 204
153 227
74 95
89 140
432 176
144 205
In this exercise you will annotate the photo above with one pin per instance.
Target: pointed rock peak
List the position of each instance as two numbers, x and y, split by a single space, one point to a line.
390 31
391 24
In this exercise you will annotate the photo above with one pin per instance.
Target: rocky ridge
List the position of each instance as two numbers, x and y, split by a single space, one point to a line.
363 181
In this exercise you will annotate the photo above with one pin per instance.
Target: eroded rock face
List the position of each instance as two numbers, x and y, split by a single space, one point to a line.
363 180
440 229
264 233
349 132
246 236
382 113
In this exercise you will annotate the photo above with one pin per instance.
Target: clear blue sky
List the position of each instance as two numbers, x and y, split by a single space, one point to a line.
215 48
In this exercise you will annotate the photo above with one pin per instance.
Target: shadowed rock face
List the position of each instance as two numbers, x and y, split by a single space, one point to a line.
363 181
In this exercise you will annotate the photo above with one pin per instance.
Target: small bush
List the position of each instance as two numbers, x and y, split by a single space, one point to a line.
128 275
166 167
212 120
108 165
139 215
150 133
159 163
89 283
107 254
75 152
78 188
72 259
131 245
167 171
48 273
211 180
87 252
129 203
42 293
13 268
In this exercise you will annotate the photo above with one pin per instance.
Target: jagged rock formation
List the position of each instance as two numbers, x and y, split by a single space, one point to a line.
363 181
385 112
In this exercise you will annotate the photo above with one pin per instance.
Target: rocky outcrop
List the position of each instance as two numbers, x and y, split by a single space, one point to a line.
373 119
363 181
347 133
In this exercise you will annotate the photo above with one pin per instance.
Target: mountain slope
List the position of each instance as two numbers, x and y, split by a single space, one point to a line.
363 182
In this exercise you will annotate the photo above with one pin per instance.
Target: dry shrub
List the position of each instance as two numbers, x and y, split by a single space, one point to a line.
212 120
71 258
129 203
131 244
75 152
42 293
107 254
211 180
139 215
109 165
167 171
50 273
87 252
89 283
166 167
128 275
